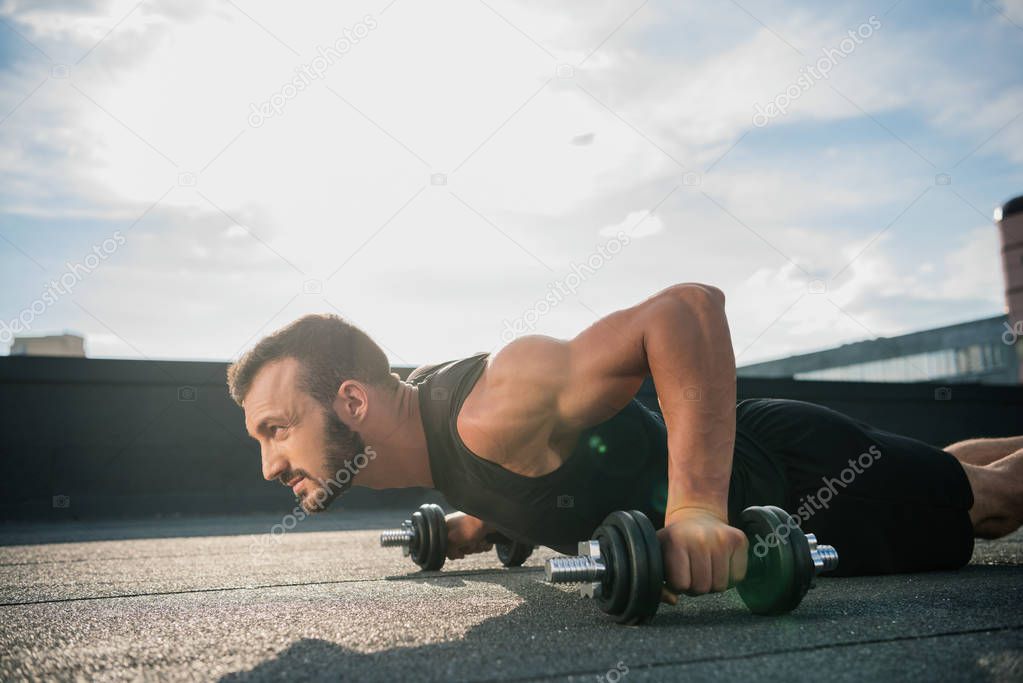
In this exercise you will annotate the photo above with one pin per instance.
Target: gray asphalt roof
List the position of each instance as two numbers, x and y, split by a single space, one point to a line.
189 599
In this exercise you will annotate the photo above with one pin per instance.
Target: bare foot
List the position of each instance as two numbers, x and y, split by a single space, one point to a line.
1003 488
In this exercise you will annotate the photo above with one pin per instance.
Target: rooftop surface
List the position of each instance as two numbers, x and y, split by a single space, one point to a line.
196 600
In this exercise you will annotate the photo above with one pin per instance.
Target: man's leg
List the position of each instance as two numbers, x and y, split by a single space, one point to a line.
997 494
984 451
887 502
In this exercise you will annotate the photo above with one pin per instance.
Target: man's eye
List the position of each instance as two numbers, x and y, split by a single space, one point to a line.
274 429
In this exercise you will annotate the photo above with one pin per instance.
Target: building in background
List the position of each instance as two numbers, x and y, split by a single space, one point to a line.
53 345
974 351
1009 218
986 351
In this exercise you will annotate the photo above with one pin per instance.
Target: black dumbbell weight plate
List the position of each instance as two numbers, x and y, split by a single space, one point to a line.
420 542
513 553
633 567
767 586
438 537
430 550
643 573
655 576
614 589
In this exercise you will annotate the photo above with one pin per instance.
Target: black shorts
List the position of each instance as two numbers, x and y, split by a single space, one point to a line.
888 503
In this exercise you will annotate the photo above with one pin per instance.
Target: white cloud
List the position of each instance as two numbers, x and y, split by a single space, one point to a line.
637 224
1011 9
875 296
538 168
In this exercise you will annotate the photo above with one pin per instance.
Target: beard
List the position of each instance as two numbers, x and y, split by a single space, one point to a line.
341 446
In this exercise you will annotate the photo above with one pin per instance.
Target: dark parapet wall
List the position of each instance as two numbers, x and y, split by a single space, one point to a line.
99 438
103 438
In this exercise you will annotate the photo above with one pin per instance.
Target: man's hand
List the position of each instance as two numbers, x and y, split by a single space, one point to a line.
466 535
701 553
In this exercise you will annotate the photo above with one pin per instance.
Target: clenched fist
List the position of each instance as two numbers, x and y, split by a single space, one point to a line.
466 535
701 552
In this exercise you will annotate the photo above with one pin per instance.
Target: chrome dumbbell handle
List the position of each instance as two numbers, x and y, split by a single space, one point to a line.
574 570
407 537
402 537
589 566
824 557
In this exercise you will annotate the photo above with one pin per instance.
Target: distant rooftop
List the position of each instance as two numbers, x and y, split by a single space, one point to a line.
49 345
972 351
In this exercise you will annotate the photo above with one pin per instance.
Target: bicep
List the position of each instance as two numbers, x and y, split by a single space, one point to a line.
586 380
610 359
568 385
606 365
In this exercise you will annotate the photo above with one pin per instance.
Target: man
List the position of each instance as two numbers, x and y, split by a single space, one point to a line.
543 439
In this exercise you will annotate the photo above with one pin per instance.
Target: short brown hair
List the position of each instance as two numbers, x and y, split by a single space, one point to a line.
329 350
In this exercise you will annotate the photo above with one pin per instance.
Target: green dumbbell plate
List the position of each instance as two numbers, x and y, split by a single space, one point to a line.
779 571
802 563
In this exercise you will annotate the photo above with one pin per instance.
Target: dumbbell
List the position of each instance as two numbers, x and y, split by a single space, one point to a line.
424 537
621 567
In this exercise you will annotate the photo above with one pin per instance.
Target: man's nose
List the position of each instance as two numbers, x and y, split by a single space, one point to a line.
274 464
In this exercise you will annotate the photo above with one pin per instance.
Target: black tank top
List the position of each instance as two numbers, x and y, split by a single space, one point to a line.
619 464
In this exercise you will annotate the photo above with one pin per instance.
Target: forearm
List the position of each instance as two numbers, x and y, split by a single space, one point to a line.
689 352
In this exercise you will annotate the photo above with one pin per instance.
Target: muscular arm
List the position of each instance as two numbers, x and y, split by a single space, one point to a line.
689 351
680 337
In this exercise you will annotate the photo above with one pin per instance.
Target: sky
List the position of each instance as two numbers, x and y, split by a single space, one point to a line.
180 178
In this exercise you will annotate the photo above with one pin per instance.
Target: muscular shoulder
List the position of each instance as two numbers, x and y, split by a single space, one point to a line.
534 360
523 379
511 412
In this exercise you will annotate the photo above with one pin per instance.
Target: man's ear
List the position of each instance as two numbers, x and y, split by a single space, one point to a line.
351 402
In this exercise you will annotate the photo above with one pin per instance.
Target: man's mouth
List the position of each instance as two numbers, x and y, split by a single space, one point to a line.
294 483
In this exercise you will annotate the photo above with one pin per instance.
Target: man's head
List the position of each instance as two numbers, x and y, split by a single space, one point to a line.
305 390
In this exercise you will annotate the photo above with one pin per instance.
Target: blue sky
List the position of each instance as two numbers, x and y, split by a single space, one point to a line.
863 210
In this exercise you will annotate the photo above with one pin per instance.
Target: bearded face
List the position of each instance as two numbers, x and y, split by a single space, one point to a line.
344 455
303 443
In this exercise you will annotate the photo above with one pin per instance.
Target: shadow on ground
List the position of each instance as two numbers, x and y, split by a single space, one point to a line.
556 634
